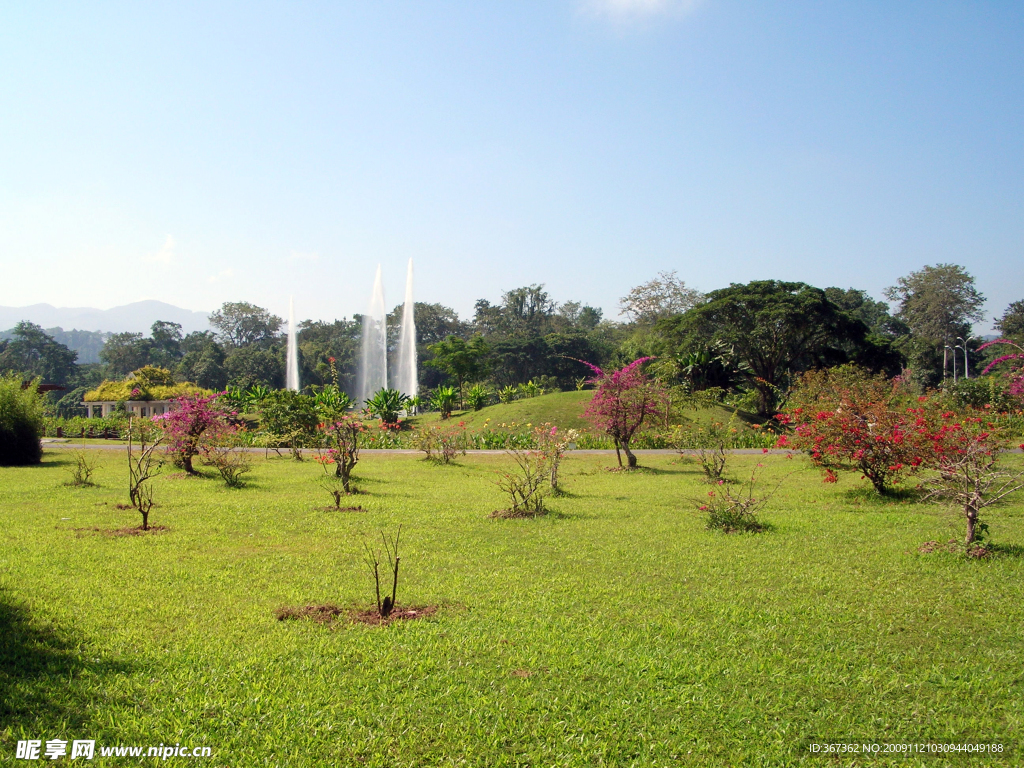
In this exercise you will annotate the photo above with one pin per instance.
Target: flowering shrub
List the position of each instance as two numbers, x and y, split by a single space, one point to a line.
847 419
339 453
623 400
552 444
219 448
524 484
734 511
184 425
964 451
1015 371
441 443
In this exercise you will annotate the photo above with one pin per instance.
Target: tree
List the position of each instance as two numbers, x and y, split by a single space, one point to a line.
664 296
125 352
185 424
34 353
240 324
464 360
874 314
166 343
623 401
938 304
775 330
203 361
247 366
1012 322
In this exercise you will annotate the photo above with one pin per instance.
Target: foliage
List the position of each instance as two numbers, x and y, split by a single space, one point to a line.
441 443
35 354
339 448
291 418
733 511
662 297
1015 372
385 607
524 484
848 419
623 401
1012 321
478 396
184 425
252 365
82 468
965 455
220 449
21 421
938 305
775 329
552 445
146 383
709 449
443 399
143 465
530 389
466 361
508 394
240 324
387 404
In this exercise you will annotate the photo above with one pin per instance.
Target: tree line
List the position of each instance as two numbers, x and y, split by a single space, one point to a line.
748 340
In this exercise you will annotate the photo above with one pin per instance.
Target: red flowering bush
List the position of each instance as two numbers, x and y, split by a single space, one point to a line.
848 419
338 453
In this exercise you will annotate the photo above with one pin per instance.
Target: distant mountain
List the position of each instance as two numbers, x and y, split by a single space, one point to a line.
137 317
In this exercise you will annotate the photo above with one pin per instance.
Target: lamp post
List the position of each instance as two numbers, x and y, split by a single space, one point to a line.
967 364
953 350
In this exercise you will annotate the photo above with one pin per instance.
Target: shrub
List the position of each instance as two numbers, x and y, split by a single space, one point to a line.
339 451
147 383
508 394
552 445
81 471
478 396
964 453
443 400
736 510
192 415
623 401
849 419
21 422
524 484
441 443
143 440
387 605
386 404
707 446
220 449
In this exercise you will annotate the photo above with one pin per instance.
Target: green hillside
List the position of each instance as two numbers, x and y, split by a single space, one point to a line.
565 409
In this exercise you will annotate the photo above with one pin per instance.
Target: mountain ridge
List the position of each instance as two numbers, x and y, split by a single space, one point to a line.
136 317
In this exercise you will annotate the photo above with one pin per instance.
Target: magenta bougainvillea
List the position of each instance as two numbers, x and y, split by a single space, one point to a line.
624 400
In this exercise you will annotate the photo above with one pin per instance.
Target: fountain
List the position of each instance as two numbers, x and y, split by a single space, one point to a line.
373 368
405 364
292 374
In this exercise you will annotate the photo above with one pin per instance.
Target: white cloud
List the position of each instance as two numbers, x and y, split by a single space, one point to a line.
165 255
224 274
620 11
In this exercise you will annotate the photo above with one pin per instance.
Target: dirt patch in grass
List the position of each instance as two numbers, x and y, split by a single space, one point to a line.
129 531
342 509
327 614
955 547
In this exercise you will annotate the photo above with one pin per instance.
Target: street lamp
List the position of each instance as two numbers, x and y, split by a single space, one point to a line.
967 364
952 349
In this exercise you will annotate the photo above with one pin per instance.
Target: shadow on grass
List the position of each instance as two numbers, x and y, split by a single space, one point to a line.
44 679
1007 550
868 497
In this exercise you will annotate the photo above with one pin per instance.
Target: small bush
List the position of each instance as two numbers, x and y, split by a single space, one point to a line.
81 471
220 449
524 484
735 511
441 444
21 422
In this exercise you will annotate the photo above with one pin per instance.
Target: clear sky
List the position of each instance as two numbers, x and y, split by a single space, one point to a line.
204 152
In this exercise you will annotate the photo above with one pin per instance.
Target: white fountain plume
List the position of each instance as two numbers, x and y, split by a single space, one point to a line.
406 375
373 365
292 374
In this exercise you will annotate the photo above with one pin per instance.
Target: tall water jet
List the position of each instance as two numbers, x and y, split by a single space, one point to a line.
405 363
373 363
292 373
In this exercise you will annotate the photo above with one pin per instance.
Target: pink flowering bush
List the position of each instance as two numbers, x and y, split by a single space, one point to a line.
624 400
191 416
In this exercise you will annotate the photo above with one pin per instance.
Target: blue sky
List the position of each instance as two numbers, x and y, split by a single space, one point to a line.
210 152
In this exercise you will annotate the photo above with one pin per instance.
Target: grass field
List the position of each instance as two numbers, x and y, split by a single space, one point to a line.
615 631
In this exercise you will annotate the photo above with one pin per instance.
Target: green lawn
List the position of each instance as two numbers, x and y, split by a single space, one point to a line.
615 631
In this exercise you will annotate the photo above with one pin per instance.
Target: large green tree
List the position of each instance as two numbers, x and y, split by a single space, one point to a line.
465 361
774 329
240 324
32 353
938 304
1012 322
